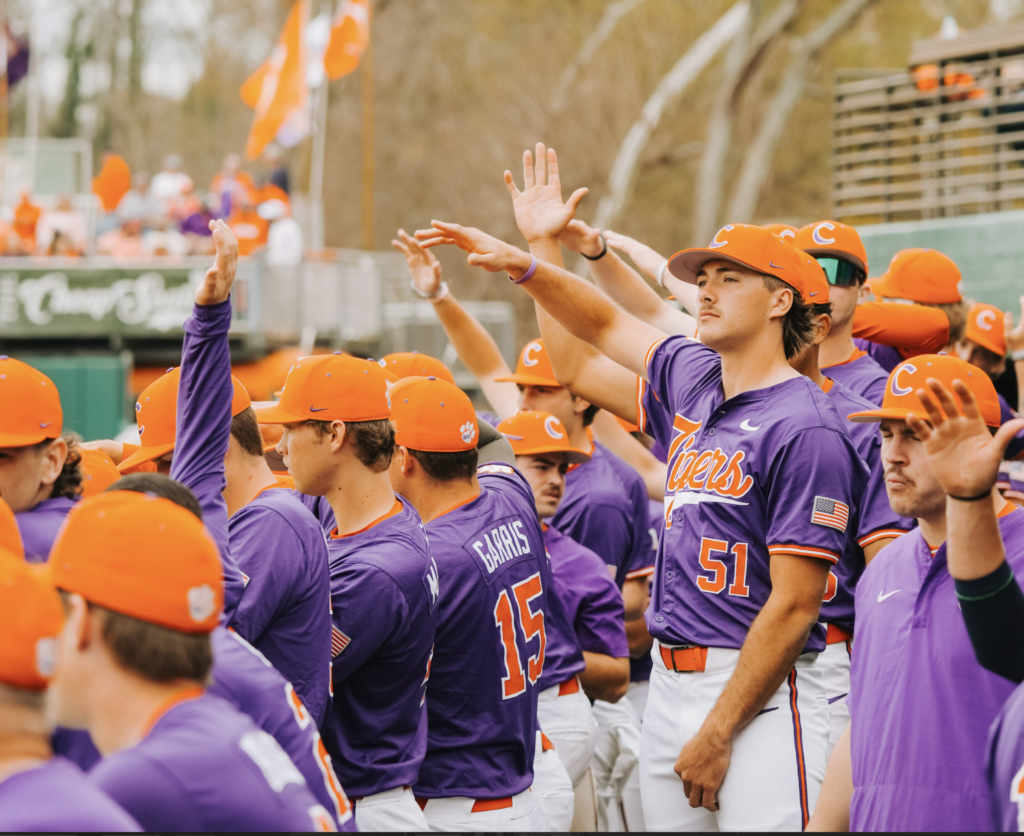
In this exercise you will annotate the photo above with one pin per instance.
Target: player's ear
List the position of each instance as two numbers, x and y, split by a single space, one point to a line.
338 434
80 623
407 461
782 303
579 405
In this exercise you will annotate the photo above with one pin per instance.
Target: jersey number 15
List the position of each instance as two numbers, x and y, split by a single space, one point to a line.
531 623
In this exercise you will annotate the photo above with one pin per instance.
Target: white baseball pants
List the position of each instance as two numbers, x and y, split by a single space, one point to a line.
455 815
834 664
778 760
389 812
569 722
552 787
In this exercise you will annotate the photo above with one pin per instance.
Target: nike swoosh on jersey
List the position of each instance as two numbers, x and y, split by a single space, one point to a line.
746 426
882 597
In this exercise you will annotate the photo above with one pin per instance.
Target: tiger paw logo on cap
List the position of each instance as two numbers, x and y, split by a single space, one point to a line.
202 601
468 432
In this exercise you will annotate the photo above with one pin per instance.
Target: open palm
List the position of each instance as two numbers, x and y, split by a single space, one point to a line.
540 212
424 268
484 250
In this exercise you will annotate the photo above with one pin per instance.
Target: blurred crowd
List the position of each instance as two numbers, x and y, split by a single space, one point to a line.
132 214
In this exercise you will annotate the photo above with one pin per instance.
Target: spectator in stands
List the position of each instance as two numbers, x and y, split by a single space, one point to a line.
68 222
247 225
164 240
113 182
138 203
123 242
274 160
284 237
266 190
171 184
233 184
26 216
196 227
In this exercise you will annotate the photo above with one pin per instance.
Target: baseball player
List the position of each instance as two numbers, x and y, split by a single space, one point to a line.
38 792
99 472
762 477
841 254
40 477
920 704
134 657
338 442
496 608
404 364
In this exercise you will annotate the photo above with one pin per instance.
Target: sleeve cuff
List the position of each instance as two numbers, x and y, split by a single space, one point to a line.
804 551
209 319
640 573
981 589
880 534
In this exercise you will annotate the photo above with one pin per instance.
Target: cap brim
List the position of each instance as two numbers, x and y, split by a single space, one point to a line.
572 454
19 440
880 286
825 251
687 264
984 341
276 415
529 380
145 454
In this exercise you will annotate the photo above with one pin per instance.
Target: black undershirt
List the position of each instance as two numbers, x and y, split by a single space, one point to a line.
993 610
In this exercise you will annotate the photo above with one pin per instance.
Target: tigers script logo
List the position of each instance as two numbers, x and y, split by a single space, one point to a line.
720 477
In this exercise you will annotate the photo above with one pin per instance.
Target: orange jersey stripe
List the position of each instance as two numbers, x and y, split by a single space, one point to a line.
804 551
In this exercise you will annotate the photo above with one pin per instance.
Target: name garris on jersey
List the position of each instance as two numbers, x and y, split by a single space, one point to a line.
500 543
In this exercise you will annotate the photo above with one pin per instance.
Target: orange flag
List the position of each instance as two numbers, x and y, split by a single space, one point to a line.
350 34
278 87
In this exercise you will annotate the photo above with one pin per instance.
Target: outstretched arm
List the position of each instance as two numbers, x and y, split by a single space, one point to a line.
623 284
655 265
917 329
475 346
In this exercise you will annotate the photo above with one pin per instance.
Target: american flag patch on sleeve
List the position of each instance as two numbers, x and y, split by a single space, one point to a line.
339 641
830 512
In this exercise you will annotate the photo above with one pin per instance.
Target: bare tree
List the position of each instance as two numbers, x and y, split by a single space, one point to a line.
669 89
759 156
744 58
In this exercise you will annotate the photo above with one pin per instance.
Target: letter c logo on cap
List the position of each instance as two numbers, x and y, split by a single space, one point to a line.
898 390
532 348
787 233
821 239
986 319
715 243
551 427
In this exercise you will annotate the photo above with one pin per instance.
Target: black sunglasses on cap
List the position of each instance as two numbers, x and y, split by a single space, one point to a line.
840 272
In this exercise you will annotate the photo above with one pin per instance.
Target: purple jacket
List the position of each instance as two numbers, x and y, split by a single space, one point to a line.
39 526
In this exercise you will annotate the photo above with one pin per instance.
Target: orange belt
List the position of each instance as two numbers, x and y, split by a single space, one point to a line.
835 635
484 805
570 686
684 659
545 743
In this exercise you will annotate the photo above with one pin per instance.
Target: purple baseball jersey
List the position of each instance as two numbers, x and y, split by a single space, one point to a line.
1005 765
205 766
286 610
875 519
769 471
57 797
885 355
640 669
861 375
592 601
384 589
204 429
1007 413
920 704
245 678
39 526
493 630
605 509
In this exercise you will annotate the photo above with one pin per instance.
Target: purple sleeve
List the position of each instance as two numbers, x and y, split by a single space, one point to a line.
676 367
1016 445
606 530
877 519
267 551
641 559
204 428
813 483
367 605
600 620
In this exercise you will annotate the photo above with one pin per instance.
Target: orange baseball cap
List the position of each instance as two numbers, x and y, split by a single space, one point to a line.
831 238
910 375
404 364
921 276
986 325
330 387
532 433
31 618
156 412
433 415
817 287
31 405
10 534
98 472
534 367
784 231
143 556
753 247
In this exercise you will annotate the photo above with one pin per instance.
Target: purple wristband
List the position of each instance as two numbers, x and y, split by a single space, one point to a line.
528 274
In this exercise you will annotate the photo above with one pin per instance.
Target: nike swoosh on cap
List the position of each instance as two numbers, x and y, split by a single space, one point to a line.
43 426
318 409
776 266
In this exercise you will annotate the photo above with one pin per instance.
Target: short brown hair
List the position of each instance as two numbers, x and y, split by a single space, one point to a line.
69 480
246 431
374 441
798 323
448 467
956 313
160 485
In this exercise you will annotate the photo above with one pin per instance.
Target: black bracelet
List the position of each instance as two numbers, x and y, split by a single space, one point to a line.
600 255
977 498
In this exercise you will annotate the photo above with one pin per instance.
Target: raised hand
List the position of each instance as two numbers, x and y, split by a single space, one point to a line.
424 267
964 456
216 285
484 250
649 261
580 238
1015 335
540 212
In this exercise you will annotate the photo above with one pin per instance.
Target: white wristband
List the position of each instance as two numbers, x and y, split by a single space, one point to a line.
1017 356
437 295
661 274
